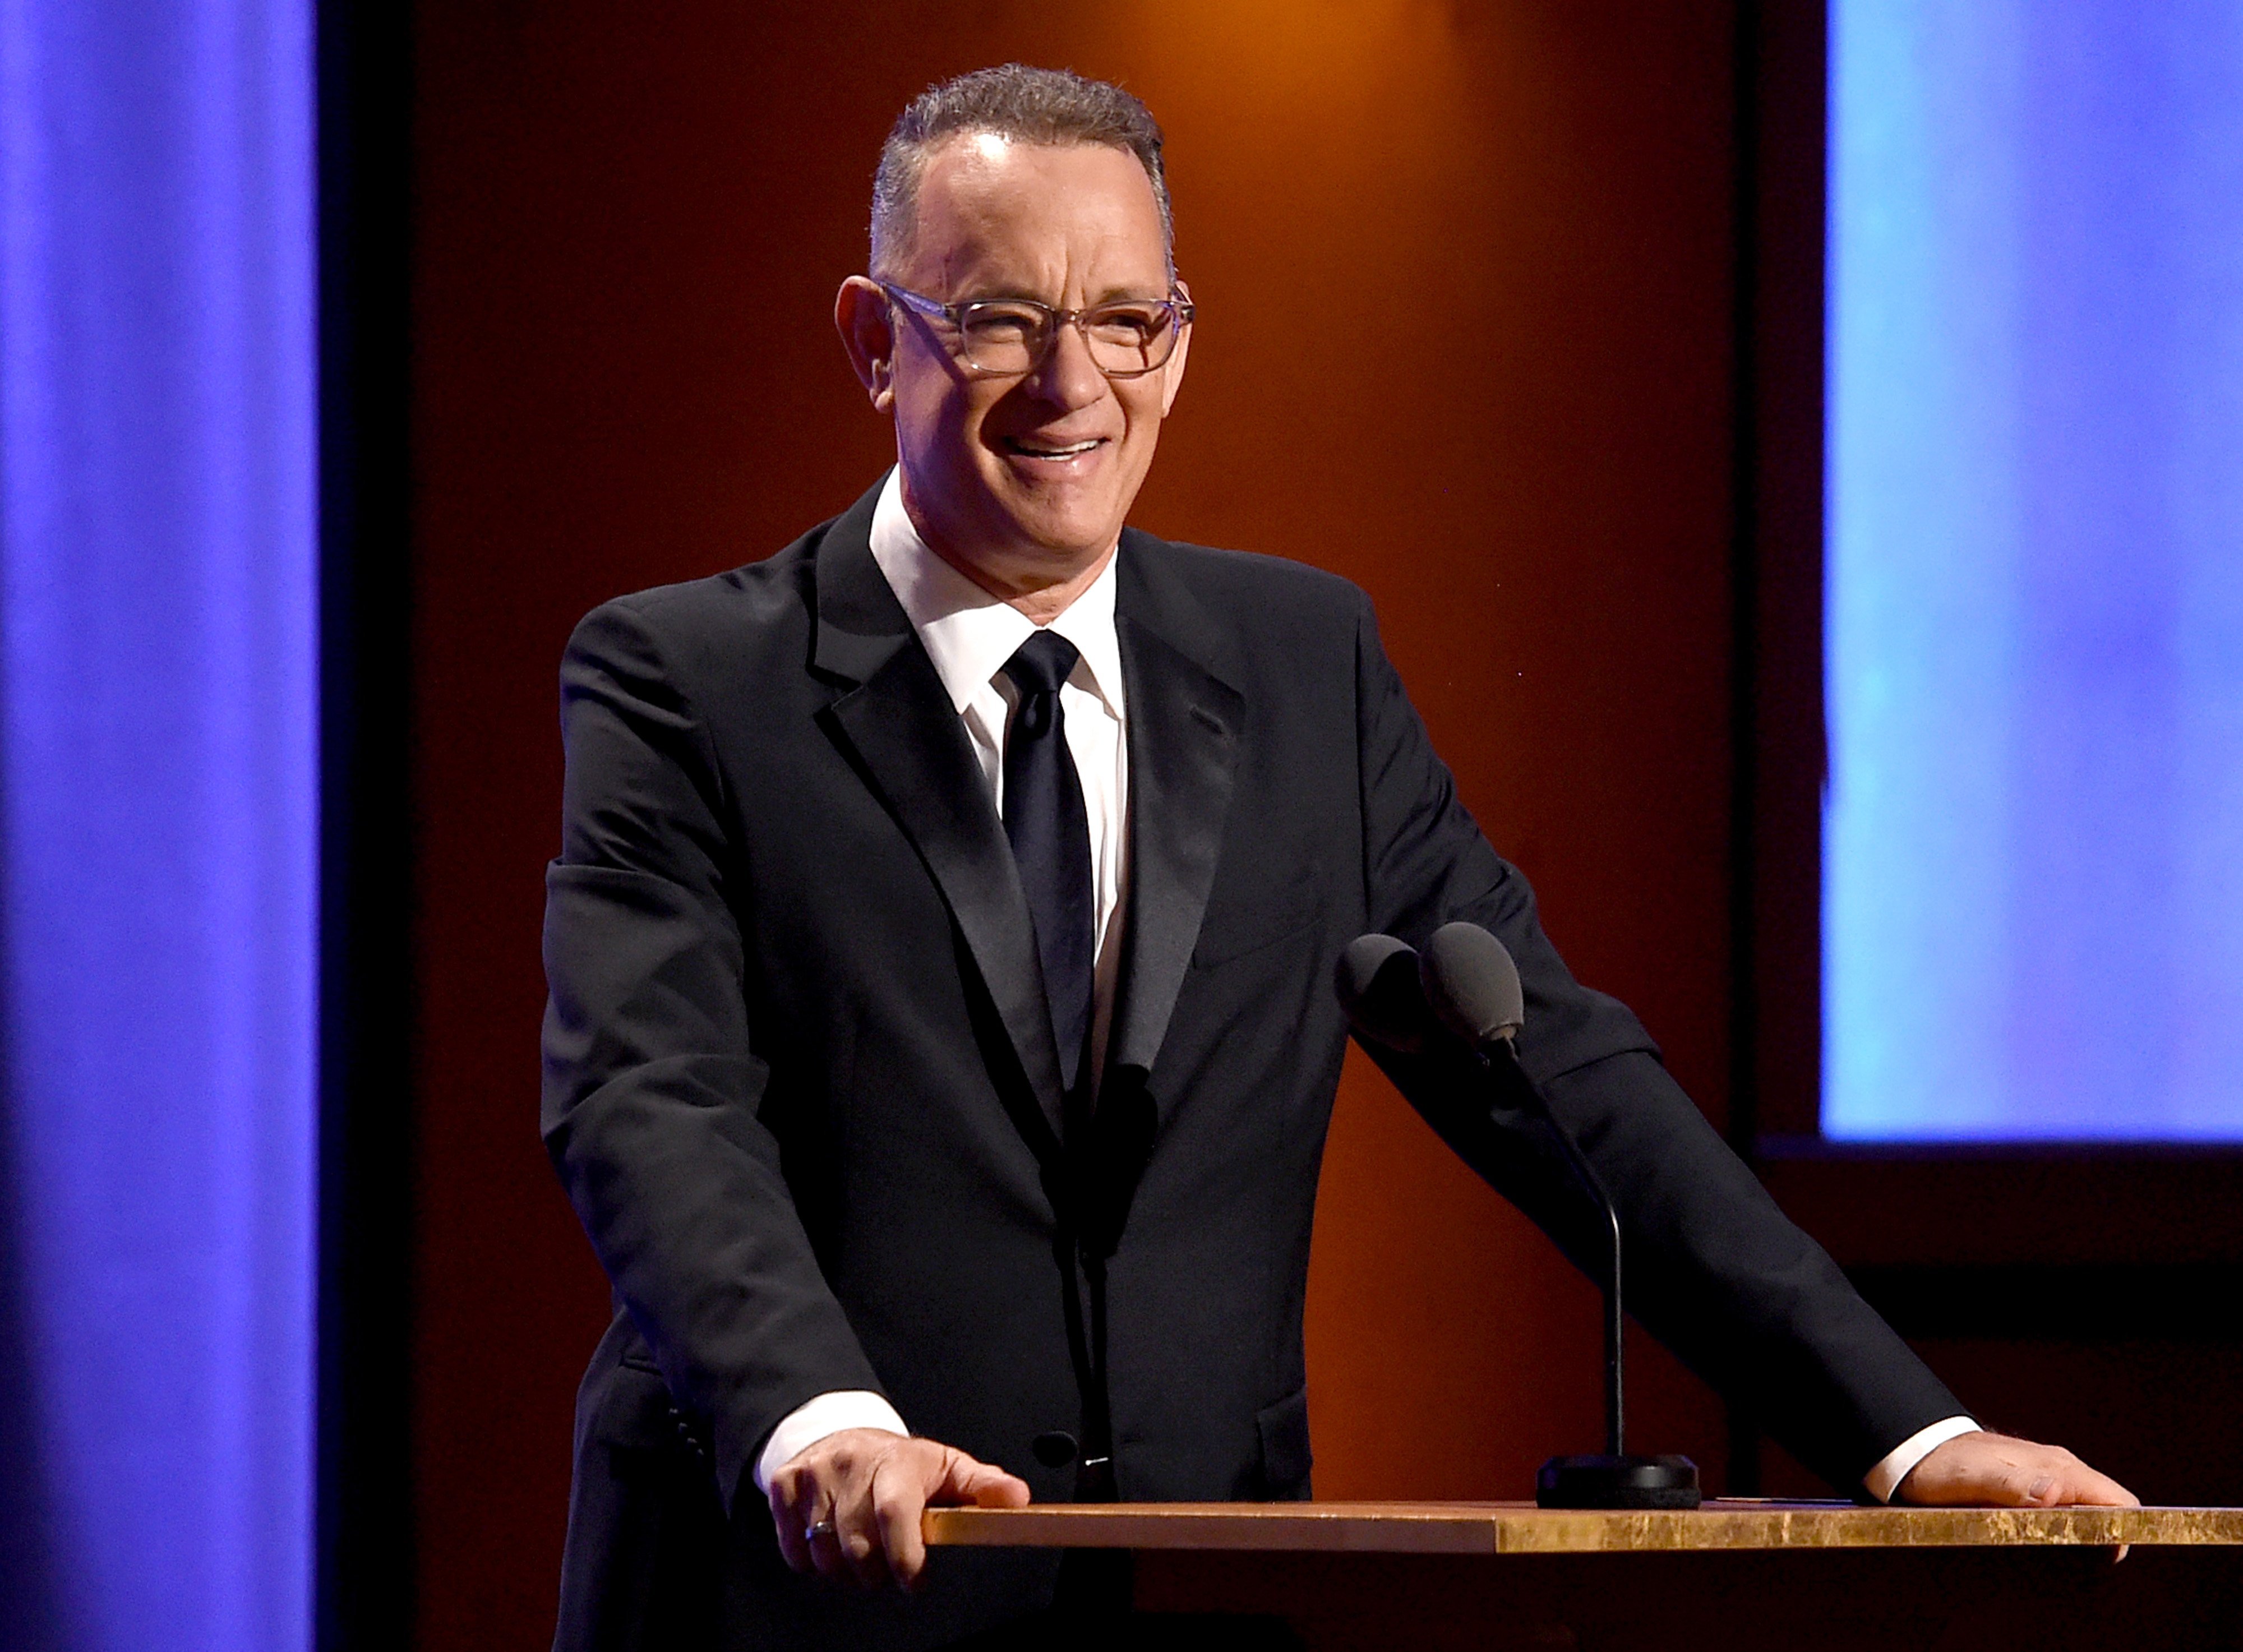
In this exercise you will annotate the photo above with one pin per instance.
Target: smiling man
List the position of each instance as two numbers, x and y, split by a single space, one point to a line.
941 1040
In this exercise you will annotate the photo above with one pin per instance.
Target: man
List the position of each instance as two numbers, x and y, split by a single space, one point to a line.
941 1035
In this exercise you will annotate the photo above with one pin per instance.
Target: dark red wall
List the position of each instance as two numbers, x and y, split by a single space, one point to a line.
1464 274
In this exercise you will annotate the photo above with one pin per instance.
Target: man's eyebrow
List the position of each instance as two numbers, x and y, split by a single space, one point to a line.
996 293
1127 295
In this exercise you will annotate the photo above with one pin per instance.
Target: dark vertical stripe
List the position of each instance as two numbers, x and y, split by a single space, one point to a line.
365 1558
1743 1126
1744 591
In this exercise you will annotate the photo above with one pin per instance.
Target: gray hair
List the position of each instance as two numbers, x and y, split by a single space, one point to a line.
1027 105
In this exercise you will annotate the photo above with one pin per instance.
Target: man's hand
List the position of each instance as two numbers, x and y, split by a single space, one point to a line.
2008 1472
871 1487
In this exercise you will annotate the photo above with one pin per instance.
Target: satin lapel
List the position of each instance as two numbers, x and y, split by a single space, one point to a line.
899 723
1184 729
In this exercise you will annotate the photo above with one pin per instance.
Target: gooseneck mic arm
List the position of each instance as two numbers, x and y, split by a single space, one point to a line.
1472 985
1467 986
1503 1058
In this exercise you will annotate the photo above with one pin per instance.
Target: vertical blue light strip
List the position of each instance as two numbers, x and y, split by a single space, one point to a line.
158 799
2033 841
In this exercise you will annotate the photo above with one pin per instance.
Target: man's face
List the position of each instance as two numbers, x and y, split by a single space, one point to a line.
1034 473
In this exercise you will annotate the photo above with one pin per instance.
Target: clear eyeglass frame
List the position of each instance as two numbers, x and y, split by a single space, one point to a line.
1006 338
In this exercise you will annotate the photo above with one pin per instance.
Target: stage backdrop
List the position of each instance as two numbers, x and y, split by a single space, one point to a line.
1512 219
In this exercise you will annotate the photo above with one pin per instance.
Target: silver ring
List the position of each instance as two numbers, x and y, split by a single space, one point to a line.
816 1529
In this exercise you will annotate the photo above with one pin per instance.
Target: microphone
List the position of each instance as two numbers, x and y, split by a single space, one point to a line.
1377 980
1467 986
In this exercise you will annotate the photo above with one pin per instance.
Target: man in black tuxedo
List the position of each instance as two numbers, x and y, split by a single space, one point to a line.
941 1040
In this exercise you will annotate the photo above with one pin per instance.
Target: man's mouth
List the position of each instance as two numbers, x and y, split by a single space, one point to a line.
1031 448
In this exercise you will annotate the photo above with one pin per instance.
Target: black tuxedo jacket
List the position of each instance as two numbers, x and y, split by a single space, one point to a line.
801 1087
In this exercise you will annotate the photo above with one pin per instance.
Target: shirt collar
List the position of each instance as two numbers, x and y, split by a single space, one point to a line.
969 634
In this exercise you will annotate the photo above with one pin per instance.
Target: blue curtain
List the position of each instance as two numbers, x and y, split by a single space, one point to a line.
2034 833
158 822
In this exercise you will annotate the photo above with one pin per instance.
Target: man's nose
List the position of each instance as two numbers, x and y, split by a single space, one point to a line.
1067 376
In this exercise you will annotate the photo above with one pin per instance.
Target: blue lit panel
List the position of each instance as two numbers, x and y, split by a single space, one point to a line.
2033 839
158 818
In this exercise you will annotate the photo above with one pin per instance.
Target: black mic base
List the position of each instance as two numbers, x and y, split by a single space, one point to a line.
1616 1482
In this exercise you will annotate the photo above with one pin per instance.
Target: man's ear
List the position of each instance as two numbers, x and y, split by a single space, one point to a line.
861 313
1172 371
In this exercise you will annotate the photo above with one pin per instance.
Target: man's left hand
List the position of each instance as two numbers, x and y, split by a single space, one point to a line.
2008 1472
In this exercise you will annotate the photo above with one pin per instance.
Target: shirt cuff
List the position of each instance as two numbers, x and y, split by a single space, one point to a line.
830 1414
1893 1468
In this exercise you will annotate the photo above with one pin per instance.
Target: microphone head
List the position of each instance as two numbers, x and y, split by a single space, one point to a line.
1376 979
1470 982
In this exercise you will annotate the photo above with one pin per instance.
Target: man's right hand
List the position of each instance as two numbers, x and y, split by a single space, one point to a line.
849 1507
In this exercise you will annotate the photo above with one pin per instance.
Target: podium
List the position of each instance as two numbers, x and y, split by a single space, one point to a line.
1735 1574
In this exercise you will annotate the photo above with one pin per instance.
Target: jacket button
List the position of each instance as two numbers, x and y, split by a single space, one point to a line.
1056 1449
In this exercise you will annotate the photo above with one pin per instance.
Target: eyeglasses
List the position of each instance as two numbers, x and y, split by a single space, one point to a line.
1007 336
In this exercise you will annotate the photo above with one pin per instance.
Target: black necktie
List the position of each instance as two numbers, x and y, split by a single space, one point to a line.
1050 832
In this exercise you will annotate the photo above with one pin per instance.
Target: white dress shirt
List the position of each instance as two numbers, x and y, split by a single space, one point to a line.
969 635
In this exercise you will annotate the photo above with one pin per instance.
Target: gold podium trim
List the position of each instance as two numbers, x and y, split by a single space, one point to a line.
1521 1528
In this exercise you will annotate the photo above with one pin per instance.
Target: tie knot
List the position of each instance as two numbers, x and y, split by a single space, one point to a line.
1041 663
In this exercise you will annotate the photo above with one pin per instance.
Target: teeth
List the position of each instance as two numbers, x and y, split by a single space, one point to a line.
1056 453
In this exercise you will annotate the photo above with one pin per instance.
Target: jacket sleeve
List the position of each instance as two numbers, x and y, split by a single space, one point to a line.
652 1085
1714 1268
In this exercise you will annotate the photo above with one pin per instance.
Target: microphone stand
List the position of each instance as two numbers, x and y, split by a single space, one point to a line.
1389 994
1613 1480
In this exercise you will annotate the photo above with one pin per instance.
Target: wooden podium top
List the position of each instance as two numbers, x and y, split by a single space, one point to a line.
1521 1528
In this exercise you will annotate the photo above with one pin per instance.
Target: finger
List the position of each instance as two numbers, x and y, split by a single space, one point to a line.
827 1536
829 1556
818 1525
789 1517
898 1500
857 1533
2100 1491
2050 1477
961 1478
997 1489
2053 1478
